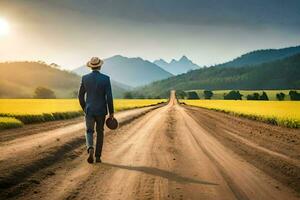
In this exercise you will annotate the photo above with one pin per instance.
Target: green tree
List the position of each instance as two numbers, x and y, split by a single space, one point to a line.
233 95
180 94
44 93
140 96
74 94
208 94
264 97
128 95
280 96
294 95
192 95
254 96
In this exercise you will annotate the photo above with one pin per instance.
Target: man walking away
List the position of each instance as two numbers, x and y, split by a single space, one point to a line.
95 96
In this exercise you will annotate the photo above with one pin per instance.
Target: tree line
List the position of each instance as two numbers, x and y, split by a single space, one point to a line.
46 93
236 95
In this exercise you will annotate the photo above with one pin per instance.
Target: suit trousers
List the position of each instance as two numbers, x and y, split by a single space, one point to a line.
91 121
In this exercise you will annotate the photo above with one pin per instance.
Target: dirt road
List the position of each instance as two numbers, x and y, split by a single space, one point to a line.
165 152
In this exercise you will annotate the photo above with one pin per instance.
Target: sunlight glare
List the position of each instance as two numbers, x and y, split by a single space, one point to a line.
4 27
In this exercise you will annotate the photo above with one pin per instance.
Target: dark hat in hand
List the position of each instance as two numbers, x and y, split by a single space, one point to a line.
112 123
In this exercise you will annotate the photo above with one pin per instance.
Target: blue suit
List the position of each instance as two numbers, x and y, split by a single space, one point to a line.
97 89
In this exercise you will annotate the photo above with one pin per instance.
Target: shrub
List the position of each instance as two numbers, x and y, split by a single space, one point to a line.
44 93
192 95
264 97
180 94
208 94
254 96
128 95
280 96
233 95
295 96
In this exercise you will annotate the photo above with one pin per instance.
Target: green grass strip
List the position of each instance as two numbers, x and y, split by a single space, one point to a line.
29 119
9 122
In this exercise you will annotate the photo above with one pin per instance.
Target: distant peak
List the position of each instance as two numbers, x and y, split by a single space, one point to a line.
118 56
123 58
173 61
184 58
160 61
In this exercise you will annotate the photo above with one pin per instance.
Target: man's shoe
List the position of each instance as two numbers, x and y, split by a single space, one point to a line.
98 160
91 156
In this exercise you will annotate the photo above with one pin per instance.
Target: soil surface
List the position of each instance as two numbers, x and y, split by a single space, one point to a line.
163 152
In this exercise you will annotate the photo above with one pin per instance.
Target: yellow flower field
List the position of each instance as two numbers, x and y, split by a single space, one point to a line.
39 110
40 106
286 113
37 106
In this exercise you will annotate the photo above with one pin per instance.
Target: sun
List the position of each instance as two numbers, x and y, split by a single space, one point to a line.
4 27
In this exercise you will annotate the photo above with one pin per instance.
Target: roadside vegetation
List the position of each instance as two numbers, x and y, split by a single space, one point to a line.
9 122
283 113
125 104
16 112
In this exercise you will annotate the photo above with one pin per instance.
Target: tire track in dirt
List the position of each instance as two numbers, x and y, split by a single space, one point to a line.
18 168
236 134
149 165
265 150
30 129
246 181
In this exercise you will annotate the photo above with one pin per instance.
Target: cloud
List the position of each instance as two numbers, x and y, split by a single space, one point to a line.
208 31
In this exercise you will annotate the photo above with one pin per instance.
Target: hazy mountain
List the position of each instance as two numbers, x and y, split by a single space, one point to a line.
262 56
129 71
176 67
280 74
20 79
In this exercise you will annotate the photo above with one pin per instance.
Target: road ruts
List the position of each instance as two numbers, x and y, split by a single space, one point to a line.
165 154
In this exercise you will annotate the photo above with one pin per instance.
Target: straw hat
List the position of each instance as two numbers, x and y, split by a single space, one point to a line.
95 62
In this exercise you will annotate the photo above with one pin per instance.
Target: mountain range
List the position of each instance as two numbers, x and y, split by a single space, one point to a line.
261 69
261 56
176 67
282 72
131 72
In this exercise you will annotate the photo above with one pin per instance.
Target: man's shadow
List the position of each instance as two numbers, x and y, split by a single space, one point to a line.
162 173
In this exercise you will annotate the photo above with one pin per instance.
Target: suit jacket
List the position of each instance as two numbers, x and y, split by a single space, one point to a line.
97 88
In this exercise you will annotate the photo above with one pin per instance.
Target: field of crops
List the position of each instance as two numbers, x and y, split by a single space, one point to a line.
219 94
25 111
284 113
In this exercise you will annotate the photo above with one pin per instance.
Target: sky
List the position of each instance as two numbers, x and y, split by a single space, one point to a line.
69 32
